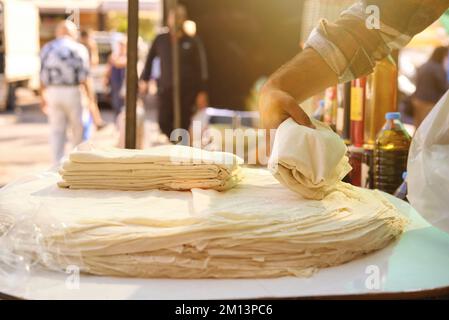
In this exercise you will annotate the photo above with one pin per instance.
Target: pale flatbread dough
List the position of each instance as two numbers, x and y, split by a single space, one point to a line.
308 161
255 230
165 167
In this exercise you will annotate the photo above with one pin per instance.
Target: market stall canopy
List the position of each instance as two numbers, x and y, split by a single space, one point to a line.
95 5
51 5
122 5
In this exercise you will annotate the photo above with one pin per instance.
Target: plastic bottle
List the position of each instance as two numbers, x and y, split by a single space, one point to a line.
319 112
401 192
87 125
390 154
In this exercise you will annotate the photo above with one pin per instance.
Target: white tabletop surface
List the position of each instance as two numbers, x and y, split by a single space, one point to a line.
419 261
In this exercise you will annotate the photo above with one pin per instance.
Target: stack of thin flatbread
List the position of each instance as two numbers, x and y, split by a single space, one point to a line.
255 230
309 161
167 167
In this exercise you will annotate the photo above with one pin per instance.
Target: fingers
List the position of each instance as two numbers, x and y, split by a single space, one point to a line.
276 106
298 114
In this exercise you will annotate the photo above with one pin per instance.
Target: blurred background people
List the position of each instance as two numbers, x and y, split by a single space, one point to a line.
86 39
115 75
92 48
64 73
431 85
193 72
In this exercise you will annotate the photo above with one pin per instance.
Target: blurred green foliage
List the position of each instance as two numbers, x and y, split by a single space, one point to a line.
119 23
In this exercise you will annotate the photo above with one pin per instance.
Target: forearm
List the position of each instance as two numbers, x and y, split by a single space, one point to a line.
302 77
42 91
92 105
95 60
88 88
147 70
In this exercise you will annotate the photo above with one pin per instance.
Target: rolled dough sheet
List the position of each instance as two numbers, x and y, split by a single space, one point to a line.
166 167
308 161
258 229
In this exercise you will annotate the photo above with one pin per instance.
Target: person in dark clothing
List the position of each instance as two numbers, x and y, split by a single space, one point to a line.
193 72
115 76
431 85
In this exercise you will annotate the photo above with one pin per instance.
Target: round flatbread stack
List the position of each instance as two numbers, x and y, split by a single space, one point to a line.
258 229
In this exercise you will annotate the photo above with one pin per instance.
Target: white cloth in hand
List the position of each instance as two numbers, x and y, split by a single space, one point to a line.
308 161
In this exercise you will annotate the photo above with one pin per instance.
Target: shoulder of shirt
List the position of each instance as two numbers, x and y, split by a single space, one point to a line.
78 47
77 44
73 44
49 44
163 34
164 31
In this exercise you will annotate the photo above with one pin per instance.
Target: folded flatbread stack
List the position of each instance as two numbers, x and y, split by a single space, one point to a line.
255 230
167 167
308 161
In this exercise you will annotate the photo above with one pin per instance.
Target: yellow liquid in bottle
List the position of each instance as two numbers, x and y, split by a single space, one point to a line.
390 156
381 97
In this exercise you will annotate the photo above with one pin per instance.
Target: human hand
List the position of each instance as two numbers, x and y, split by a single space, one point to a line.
143 87
276 106
44 105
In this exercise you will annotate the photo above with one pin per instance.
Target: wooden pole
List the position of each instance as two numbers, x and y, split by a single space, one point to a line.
172 4
131 74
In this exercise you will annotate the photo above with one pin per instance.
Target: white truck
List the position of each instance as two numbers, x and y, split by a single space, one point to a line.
19 49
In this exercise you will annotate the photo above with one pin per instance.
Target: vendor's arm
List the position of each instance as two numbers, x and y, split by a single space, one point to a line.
341 51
